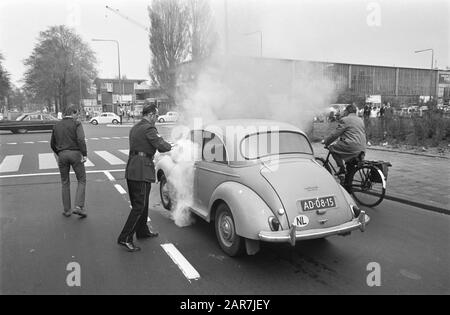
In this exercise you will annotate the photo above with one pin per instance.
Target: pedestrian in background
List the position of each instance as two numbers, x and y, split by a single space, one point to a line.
140 173
70 148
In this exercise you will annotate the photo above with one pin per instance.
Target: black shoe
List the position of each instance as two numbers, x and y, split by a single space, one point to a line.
147 234
67 213
129 245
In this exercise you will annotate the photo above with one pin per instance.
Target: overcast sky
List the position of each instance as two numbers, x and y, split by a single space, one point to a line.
351 31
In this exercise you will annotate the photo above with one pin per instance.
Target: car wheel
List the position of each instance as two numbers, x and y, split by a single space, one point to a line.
164 192
22 131
115 121
161 120
14 131
94 122
231 243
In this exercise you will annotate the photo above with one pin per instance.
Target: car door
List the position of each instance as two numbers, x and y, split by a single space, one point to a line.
210 171
103 119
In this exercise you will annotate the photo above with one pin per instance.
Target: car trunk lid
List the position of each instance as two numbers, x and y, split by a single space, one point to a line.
310 195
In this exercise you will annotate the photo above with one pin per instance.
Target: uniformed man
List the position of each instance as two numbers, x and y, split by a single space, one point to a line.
140 173
352 138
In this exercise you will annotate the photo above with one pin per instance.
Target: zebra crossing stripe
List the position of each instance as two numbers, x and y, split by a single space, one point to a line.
47 161
111 159
11 163
126 152
88 163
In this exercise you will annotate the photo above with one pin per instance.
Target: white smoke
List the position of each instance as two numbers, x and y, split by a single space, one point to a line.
241 87
180 178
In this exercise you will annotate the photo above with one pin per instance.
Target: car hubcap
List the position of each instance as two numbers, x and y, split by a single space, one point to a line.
226 229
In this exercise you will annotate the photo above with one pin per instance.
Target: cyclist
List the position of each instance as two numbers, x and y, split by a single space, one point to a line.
352 138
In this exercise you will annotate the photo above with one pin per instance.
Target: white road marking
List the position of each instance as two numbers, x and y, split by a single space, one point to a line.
116 137
43 141
120 189
189 272
126 152
12 143
106 138
110 177
111 159
29 142
11 163
93 138
47 161
88 163
55 173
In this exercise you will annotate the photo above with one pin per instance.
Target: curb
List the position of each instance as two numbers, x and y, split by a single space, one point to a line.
411 153
426 206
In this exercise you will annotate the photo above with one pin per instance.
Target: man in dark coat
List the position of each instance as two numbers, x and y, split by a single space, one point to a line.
68 143
352 138
140 173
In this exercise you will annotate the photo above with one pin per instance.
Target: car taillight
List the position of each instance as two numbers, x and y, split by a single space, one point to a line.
355 210
274 224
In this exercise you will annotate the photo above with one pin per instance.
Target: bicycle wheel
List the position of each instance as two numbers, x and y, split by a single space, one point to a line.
367 185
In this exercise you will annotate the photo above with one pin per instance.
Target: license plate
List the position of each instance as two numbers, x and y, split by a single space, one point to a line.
318 203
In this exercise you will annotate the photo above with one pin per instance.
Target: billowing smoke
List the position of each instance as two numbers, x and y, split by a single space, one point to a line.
244 87
178 167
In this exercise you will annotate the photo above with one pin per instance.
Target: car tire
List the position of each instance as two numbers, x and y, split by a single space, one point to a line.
231 243
115 122
14 131
94 122
161 120
164 193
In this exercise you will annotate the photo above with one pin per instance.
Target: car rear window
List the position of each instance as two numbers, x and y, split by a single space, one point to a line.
274 143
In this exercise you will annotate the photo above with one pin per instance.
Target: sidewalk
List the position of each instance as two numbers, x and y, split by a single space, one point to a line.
415 179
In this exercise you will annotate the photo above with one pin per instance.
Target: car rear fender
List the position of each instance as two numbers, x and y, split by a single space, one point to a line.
250 212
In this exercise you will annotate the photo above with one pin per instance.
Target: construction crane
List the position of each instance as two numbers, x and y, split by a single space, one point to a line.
128 19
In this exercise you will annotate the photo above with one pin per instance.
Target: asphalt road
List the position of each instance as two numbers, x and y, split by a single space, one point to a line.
410 245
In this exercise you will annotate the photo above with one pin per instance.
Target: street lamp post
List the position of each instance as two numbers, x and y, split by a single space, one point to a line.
118 62
260 40
431 69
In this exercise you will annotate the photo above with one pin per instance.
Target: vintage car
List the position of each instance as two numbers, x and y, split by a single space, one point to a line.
168 117
257 180
105 118
29 122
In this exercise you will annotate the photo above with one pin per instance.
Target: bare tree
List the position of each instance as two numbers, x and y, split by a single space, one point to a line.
5 83
169 42
60 64
202 34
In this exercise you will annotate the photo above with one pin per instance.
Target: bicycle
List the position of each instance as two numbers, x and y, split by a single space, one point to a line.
364 180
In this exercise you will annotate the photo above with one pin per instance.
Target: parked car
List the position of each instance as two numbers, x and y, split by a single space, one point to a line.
254 193
28 122
168 117
105 118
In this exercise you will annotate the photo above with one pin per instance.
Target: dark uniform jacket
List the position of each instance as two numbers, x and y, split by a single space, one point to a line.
144 138
352 137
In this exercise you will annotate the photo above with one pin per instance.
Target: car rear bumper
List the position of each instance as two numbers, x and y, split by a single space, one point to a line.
293 235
